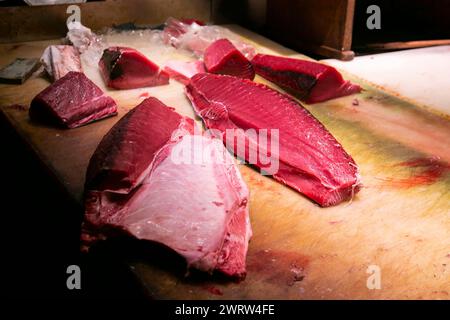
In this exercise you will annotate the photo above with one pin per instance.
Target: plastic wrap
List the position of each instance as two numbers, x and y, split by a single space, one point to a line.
191 35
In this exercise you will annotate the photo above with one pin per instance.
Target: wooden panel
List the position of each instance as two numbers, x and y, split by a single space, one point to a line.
399 221
321 26
49 22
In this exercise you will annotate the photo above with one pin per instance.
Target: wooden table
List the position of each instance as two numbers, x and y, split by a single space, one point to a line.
399 222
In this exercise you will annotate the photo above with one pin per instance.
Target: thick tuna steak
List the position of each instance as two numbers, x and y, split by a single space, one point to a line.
127 68
72 101
309 158
183 71
222 57
176 188
313 82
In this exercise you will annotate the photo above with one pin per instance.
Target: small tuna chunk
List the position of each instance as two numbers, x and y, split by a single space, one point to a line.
127 68
313 82
183 71
72 101
222 57
153 178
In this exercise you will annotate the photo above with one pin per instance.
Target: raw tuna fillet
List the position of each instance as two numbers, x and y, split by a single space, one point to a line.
313 82
183 71
153 178
222 57
126 68
60 60
306 156
72 101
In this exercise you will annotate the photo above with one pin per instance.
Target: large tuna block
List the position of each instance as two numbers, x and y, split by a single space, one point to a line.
153 178
127 68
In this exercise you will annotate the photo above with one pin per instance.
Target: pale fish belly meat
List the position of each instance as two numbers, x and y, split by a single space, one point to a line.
59 60
310 159
312 82
183 71
155 178
72 101
127 68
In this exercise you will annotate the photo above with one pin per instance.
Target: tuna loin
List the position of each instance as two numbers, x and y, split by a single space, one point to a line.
127 68
139 183
313 82
72 101
309 158
222 57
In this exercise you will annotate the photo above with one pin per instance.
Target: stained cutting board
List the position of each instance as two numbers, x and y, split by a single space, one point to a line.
399 222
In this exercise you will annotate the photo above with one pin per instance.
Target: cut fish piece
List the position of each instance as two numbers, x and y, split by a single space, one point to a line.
118 165
127 68
222 57
306 156
72 101
177 188
313 82
60 60
183 71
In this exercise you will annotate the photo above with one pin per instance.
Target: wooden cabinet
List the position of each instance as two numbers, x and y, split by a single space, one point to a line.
337 28
321 26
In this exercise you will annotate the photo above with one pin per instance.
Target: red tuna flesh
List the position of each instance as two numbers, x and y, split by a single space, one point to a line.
222 57
127 68
120 168
198 209
310 159
72 101
313 82
183 71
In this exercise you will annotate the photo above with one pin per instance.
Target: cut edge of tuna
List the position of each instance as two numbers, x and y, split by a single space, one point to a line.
311 81
327 175
199 211
72 101
222 57
127 68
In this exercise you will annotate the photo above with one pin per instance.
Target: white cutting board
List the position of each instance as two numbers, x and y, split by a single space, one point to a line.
421 75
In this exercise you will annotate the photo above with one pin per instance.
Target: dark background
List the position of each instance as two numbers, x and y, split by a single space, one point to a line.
40 230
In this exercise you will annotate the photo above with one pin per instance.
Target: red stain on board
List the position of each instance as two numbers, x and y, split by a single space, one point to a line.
278 266
144 95
213 290
426 172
